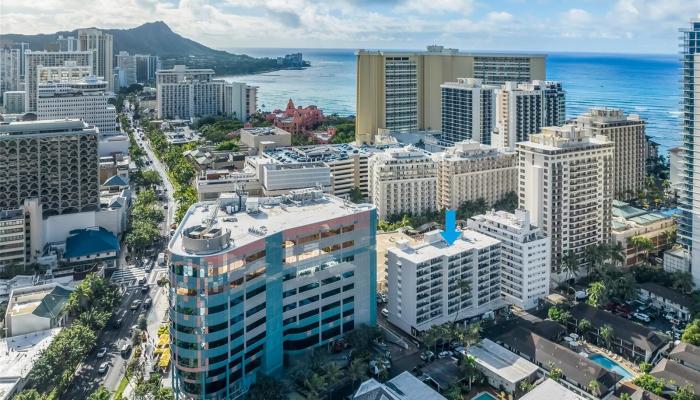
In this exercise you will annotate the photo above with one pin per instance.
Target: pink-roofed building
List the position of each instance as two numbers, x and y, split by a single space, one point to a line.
296 119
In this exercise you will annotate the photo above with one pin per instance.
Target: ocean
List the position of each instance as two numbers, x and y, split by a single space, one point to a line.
642 84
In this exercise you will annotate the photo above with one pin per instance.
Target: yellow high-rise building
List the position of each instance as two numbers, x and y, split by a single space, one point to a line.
400 91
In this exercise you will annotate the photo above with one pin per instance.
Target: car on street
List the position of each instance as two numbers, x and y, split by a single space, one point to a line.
427 355
144 288
103 368
444 354
385 312
641 316
147 303
119 320
101 352
135 305
125 349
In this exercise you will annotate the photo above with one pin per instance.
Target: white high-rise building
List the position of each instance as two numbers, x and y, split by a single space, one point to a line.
35 60
9 70
525 255
67 43
236 101
431 283
468 110
251 99
628 134
186 93
127 69
86 99
100 45
565 182
403 180
469 171
524 108
689 221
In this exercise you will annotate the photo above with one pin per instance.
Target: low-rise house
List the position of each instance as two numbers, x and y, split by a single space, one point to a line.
504 369
667 300
635 392
36 308
631 340
631 222
550 389
208 158
577 371
676 375
686 354
402 387
91 245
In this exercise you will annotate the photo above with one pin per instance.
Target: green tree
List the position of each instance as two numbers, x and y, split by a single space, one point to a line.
642 245
525 386
645 367
594 388
570 266
650 383
362 340
332 375
148 178
454 392
267 388
357 371
315 384
554 372
584 326
597 294
607 333
356 195
682 282
469 370
691 333
100 394
625 396
685 392
31 394
509 202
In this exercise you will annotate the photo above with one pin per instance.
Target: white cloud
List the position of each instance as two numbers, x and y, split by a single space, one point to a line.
433 6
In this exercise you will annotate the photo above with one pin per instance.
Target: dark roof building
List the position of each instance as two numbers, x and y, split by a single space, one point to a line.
90 242
635 392
676 375
668 300
632 340
576 369
686 354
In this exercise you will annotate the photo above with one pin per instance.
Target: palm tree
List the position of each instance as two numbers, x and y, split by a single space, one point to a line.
469 369
332 374
607 333
525 386
617 254
79 299
595 255
100 394
625 396
431 337
454 393
594 387
356 371
554 372
584 326
597 294
473 333
642 245
570 266
315 384
682 282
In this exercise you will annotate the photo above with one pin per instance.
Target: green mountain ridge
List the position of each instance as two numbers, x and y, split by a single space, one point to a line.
156 38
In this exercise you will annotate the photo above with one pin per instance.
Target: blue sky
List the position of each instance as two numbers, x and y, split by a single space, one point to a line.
629 26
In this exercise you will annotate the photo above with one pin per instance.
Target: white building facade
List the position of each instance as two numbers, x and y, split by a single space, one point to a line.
37 61
431 283
525 255
468 110
565 182
9 69
403 180
100 44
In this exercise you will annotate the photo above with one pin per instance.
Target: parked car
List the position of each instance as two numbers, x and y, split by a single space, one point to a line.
103 368
444 354
147 303
135 305
427 355
460 351
385 312
145 288
125 349
581 294
101 352
642 317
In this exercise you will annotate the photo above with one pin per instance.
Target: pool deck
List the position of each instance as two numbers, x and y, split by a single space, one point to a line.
629 366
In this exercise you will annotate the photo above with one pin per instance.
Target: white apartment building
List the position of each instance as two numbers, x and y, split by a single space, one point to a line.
13 101
127 69
100 44
468 110
38 60
251 100
627 132
187 93
85 99
565 182
403 180
9 70
525 255
470 171
523 108
424 280
67 43
12 237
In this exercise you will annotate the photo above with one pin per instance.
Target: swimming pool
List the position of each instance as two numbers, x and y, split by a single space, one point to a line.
484 396
611 365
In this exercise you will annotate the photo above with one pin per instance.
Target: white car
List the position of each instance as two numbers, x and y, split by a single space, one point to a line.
101 352
444 354
642 317
103 368
385 312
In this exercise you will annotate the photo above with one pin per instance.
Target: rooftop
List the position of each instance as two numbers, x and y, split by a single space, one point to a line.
402 387
434 246
43 127
562 138
550 389
265 131
687 354
17 356
670 294
90 241
574 366
518 222
625 329
441 50
502 362
324 152
260 217
678 373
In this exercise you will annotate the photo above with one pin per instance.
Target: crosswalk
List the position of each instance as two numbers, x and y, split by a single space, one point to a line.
128 276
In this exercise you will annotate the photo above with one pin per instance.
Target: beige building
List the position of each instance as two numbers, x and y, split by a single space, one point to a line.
35 61
565 182
629 222
403 180
470 171
100 44
260 139
400 90
627 132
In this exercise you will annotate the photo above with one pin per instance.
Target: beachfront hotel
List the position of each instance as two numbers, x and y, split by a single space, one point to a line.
400 90
257 280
